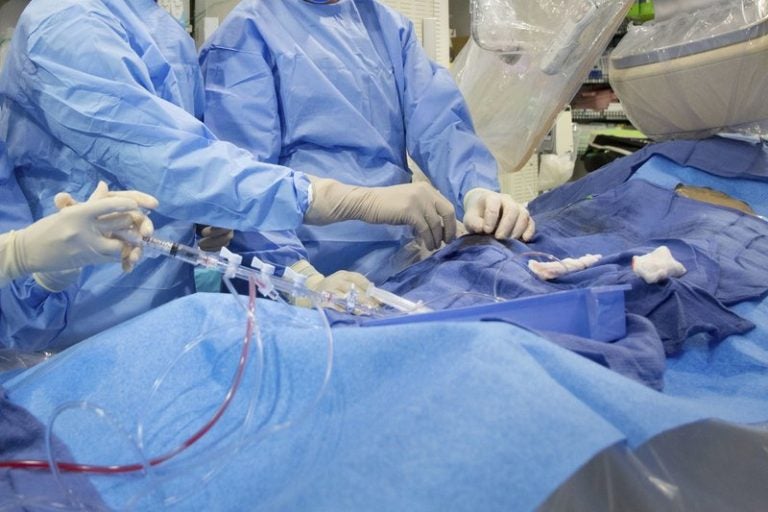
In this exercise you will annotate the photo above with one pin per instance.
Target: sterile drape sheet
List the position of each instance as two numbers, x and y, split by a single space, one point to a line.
442 416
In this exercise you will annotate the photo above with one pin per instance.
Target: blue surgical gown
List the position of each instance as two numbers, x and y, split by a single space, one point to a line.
344 91
112 90
43 313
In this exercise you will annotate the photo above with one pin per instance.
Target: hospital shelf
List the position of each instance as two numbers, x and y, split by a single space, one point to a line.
614 113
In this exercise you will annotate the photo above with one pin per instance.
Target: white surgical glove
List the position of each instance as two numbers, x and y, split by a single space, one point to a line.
491 213
54 248
213 239
130 236
414 204
339 283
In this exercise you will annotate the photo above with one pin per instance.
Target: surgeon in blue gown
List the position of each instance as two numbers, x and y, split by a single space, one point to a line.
343 89
112 90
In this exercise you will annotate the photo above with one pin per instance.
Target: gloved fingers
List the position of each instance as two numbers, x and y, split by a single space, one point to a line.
141 222
100 192
523 219
510 216
145 227
424 233
448 216
359 280
213 244
340 283
491 212
365 300
129 226
530 230
130 235
63 200
109 249
142 199
96 209
473 222
435 223
118 221
130 255
213 231
215 239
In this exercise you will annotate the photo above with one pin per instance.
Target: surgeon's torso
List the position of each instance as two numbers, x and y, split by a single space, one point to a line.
162 48
336 85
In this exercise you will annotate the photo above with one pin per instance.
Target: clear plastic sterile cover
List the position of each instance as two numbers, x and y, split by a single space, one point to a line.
524 63
697 72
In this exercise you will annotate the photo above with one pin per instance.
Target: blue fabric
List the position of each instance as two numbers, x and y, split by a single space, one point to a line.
734 370
343 91
422 417
722 250
23 437
667 174
729 373
29 314
721 156
126 113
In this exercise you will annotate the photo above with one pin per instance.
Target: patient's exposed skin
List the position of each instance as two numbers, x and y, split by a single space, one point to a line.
712 196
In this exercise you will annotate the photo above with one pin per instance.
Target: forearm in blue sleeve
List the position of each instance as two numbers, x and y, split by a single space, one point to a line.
440 135
103 106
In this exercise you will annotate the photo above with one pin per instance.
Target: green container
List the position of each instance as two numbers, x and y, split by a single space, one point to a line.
641 11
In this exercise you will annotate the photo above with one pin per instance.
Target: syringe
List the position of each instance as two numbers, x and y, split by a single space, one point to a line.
269 284
395 301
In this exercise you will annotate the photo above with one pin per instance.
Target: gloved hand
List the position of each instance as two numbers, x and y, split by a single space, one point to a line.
54 248
131 235
414 204
339 283
213 239
488 212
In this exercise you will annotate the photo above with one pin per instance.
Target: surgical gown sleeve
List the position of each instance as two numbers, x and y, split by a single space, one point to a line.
241 106
101 101
30 316
439 132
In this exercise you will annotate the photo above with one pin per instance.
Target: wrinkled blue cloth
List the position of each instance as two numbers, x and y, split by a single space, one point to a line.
720 156
731 371
442 416
667 174
343 91
126 113
723 251
22 437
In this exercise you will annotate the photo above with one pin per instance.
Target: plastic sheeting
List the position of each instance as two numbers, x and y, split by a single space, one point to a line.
696 72
524 62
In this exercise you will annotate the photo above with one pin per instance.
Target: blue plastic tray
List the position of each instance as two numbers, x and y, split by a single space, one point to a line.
596 313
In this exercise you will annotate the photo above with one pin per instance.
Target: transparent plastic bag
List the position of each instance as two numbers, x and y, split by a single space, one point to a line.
697 72
707 466
525 62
